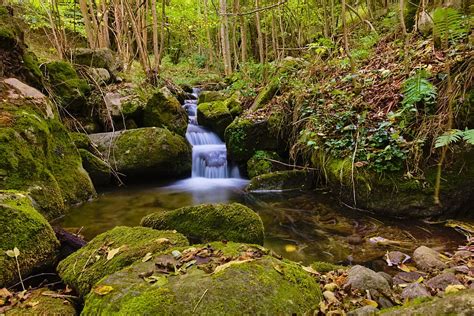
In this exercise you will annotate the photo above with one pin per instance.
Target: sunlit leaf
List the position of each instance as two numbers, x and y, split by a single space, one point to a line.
111 253
103 289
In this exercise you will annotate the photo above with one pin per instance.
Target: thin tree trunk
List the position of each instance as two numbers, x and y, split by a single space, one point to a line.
259 33
87 23
156 49
225 38
162 30
208 33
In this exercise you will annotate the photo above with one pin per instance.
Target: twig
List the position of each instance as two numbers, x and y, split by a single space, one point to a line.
293 166
59 295
202 296
32 277
352 168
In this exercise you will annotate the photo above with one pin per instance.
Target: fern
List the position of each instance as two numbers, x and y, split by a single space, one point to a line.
418 89
468 136
448 138
449 24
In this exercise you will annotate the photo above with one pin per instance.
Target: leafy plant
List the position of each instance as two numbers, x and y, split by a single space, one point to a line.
449 24
418 90
15 253
453 136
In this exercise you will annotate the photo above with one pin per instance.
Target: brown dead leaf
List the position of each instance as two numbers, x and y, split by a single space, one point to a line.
112 252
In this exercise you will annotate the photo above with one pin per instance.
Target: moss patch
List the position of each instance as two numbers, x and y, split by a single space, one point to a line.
282 180
43 302
97 169
211 96
25 228
210 222
85 267
260 164
266 286
214 115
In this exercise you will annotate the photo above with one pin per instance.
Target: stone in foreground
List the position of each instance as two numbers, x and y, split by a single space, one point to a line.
111 251
218 279
210 222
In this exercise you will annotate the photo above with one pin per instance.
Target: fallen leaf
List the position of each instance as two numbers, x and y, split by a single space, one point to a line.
32 304
370 303
16 251
5 293
103 290
10 253
290 248
277 268
147 257
111 253
157 280
406 268
311 270
163 241
228 264
453 288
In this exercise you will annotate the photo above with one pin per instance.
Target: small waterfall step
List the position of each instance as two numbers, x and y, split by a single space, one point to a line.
209 151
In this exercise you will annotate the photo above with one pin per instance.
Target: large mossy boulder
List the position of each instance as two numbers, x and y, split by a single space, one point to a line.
211 96
37 154
98 170
262 162
87 266
266 94
96 58
68 88
145 152
218 279
15 58
214 115
23 227
43 302
282 181
164 110
244 136
460 303
210 222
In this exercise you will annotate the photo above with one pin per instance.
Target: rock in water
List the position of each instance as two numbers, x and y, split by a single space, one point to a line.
145 152
210 222
97 169
37 154
428 259
84 268
282 180
25 228
251 283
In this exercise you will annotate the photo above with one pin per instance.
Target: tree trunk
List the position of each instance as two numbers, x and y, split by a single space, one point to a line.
87 23
225 38
261 51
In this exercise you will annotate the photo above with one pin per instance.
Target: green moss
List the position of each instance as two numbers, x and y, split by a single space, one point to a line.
37 303
67 86
234 106
81 140
23 227
266 94
323 267
163 110
39 157
210 222
148 152
211 96
9 31
214 115
264 286
31 63
85 267
282 180
260 164
98 170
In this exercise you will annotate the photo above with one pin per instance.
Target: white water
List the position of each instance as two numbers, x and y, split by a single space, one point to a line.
209 152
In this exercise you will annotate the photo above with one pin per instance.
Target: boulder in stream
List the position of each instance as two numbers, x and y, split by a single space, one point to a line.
145 152
261 163
282 181
113 250
216 279
23 227
211 222
217 115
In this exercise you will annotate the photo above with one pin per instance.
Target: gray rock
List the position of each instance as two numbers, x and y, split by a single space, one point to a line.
407 277
99 76
396 258
428 259
386 277
415 290
463 254
362 278
364 311
440 282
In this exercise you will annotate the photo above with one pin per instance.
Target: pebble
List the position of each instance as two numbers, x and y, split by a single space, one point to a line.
440 282
428 259
415 290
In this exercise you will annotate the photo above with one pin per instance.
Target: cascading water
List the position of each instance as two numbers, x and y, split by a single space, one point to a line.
209 152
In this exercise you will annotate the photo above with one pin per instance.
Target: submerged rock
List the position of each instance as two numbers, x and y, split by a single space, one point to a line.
164 110
282 180
249 283
113 250
37 154
24 228
210 222
461 303
428 259
145 152
43 302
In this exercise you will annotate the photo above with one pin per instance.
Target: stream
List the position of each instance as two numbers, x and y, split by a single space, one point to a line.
304 227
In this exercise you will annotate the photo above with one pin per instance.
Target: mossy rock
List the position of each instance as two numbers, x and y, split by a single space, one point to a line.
98 170
164 110
245 136
42 302
211 96
68 88
460 303
84 268
210 222
260 164
324 267
282 181
37 154
25 228
265 286
96 58
146 152
214 115
81 141
266 94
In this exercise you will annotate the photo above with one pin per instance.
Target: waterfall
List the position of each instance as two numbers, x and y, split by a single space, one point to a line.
209 152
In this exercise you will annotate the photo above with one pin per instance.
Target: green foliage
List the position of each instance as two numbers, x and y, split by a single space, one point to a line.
453 136
449 25
418 90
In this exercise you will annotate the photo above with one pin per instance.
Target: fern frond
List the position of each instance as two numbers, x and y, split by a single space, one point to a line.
417 88
468 136
449 137
449 24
